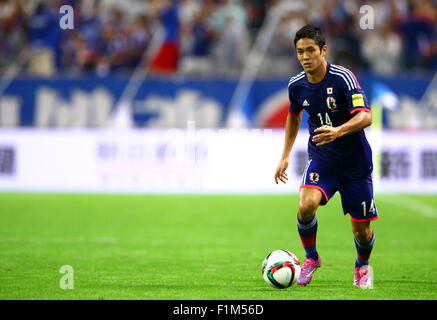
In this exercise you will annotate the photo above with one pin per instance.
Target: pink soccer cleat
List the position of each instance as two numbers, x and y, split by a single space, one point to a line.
308 267
363 277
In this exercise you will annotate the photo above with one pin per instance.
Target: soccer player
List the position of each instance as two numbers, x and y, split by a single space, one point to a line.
340 158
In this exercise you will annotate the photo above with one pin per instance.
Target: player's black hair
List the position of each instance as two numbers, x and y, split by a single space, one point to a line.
310 31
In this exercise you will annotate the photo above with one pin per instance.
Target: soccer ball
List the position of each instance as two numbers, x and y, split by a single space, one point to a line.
280 269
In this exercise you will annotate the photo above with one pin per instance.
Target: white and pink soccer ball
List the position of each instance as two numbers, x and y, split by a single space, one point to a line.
280 269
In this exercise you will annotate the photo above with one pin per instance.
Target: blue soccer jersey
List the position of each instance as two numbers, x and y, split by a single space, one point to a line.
333 101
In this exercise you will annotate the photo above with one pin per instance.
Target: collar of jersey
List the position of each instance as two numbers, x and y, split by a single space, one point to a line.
321 81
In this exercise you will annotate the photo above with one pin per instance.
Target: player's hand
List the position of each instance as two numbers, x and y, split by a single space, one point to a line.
280 171
327 134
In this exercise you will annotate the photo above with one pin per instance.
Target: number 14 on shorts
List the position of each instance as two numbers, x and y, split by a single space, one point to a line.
371 209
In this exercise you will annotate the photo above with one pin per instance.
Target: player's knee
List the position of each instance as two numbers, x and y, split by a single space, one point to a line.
309 200
362 232
307 208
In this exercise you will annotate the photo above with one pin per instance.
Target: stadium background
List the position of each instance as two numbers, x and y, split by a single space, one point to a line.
190 97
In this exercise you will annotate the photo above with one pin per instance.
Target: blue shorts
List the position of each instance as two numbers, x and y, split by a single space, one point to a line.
356 194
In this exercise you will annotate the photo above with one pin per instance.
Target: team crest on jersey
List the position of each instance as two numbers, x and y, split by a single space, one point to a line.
332 105
314 177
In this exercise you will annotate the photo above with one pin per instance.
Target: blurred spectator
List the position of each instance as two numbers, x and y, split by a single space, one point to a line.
44 35
383 50
290 21
115 39
13 31
346 45
89 41
280 57
229 22
196 58
188 12
139 38
202 38
256 11
419 35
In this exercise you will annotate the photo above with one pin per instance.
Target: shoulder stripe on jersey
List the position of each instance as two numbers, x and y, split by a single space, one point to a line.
297 75
296 78
349 74
343 76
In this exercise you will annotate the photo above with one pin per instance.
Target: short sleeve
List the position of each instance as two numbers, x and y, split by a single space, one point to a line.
355 97
357 101
295 109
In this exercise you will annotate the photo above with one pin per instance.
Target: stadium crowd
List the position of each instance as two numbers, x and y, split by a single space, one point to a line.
212 36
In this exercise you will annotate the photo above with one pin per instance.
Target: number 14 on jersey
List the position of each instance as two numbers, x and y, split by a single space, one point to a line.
327 121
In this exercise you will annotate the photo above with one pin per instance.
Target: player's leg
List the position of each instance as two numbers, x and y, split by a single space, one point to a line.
316 188
364 238
309 201
363 234
358 201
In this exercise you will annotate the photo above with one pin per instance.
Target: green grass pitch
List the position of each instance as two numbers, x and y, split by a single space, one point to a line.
211 247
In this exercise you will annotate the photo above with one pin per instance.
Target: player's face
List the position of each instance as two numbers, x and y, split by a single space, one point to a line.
309 54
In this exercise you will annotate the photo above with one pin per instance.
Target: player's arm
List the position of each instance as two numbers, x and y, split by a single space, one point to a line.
291 130
327 134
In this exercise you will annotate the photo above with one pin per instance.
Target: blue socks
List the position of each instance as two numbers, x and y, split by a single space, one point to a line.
364 251
308 233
